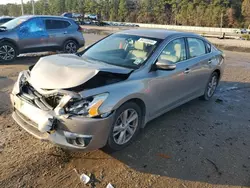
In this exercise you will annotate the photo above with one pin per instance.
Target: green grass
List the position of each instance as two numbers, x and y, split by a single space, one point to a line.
246 36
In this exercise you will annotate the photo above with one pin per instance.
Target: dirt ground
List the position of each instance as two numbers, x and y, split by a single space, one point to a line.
200 144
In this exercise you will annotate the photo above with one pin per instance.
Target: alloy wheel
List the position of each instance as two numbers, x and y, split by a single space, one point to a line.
71 47
7 52
212 86
125 126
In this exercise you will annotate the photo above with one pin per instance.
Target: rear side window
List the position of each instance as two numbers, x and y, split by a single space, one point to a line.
196 47
56 24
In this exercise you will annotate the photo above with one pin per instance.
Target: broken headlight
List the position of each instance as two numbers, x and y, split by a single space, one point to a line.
22 77
87 107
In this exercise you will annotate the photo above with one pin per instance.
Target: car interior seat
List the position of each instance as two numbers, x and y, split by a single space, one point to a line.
170 54
194 49
178 52
138 51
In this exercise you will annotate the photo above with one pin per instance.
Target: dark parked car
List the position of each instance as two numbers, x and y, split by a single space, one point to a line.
5 19
67 14
27 34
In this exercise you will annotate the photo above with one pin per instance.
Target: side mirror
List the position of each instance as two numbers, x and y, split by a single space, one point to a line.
165 65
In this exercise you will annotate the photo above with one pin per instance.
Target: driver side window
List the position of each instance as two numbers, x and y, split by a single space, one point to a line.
174 52
32 29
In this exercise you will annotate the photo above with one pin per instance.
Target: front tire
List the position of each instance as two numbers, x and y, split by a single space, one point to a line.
70 47
211 86
8 52
126 125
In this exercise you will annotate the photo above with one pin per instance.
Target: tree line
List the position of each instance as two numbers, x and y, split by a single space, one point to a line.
234 13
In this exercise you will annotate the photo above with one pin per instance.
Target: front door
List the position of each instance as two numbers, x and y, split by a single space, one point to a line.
32 35
171 87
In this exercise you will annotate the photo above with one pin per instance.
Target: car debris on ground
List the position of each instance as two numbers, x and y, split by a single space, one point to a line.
110 186
83 177
89 179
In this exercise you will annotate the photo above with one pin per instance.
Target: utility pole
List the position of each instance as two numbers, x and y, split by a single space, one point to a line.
221 23
22 7
33 7
46 5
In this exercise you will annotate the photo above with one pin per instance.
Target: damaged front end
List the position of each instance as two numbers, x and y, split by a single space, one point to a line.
62 115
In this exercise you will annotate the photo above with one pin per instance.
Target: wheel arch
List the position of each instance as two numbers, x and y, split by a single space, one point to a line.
142 106
70 39
218 72
12 42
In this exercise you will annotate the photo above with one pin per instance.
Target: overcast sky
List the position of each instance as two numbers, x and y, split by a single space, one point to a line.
12 1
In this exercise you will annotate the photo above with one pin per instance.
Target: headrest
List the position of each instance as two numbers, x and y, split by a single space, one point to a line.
177 47
139 45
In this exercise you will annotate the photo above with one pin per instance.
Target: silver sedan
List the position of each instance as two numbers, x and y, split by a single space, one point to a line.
104 95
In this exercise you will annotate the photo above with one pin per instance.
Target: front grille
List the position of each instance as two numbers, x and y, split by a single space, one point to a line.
30 95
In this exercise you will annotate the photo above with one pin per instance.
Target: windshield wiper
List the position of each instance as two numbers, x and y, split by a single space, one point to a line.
3 27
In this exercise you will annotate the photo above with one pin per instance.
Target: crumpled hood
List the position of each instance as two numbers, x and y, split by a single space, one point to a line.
67 71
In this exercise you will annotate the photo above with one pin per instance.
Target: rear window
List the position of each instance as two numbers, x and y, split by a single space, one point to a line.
56 24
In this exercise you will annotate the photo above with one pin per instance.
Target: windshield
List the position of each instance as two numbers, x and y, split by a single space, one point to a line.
123 50
14 23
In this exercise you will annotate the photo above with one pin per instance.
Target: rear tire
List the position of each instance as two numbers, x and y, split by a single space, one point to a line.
121 126
8 52
211 86
70 47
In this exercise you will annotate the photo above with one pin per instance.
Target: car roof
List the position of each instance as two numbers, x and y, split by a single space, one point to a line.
157 33
44 16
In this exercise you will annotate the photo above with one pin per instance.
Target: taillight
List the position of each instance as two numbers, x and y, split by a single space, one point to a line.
80 28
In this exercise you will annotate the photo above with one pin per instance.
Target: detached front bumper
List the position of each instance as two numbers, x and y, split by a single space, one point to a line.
93 131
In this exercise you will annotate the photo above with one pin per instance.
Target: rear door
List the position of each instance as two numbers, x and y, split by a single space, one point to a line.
170 88
32 35
200 54
57 30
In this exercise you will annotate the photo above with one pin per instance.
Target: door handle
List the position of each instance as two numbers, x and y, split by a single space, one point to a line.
187 71
209 61
65 32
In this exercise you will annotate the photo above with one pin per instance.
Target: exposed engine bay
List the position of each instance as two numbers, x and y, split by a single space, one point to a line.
62 100
50 99
52 87
101 79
